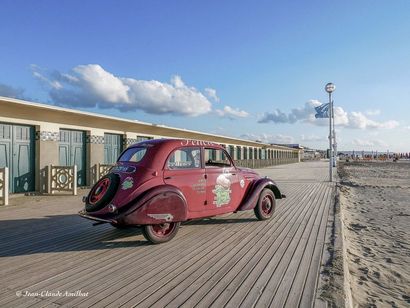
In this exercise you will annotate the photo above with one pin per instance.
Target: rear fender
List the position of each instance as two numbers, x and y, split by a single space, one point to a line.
162 204
252 196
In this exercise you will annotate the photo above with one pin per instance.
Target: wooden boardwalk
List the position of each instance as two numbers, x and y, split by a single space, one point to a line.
233 261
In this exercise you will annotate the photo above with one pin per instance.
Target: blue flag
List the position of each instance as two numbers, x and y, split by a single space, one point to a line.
322 111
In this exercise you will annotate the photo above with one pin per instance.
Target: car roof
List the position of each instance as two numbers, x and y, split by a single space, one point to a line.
176 143
160 149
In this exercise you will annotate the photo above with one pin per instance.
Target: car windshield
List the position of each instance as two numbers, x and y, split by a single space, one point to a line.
134 155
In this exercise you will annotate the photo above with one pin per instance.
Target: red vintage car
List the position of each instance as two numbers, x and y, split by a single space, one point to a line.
158 184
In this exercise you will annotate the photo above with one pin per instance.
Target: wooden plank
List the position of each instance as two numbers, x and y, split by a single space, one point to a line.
38 257
104 266
306 248
119 270
274 270
225 237
84 243
227 261
56 260
308 298
150 268
212 288
283 277
257 240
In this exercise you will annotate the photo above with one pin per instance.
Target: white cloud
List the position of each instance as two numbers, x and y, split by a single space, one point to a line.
359 120
275 116
267 138
101 84
369 143
373 112
211 94
341 117
231 113
354 120
40 74
52 83
312 138
92 86
296 114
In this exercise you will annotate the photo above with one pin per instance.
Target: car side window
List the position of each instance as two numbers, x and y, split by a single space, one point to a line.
216 158
184 158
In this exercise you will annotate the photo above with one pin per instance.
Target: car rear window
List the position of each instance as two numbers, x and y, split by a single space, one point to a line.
134 154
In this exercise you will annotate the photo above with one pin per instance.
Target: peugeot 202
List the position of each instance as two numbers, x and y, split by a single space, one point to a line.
158 184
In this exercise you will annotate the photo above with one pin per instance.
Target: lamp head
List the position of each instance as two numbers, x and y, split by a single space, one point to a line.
330 87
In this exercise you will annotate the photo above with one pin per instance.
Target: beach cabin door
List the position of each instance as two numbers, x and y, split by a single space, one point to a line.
72 152
112 148
17 153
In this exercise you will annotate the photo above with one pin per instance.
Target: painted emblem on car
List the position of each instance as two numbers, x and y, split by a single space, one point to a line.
242 183
127 183
166 217
222 190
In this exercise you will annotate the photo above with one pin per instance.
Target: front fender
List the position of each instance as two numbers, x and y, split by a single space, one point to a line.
252 196
164 203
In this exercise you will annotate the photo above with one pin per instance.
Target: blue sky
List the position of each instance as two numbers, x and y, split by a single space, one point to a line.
264 65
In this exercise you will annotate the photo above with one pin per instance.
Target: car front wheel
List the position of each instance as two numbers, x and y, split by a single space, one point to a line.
160 233
266 205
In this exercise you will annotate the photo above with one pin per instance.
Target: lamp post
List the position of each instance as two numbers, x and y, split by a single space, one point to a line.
330 87
334 136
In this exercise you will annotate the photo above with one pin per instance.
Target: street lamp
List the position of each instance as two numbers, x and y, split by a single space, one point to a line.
330 87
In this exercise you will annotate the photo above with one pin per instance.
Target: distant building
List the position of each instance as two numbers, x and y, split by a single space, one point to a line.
310 154
34 136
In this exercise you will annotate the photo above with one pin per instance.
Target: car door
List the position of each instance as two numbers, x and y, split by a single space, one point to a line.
223 190
184 170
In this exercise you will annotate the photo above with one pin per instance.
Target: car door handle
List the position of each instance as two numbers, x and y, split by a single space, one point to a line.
168 178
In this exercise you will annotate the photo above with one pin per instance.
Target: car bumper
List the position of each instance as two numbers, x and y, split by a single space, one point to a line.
84 214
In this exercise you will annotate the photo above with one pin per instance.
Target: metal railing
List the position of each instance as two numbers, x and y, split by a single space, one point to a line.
262 163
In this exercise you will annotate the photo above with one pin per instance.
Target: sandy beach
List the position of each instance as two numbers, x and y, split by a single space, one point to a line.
375 213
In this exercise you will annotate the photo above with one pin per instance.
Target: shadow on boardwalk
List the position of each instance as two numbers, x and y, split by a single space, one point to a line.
64 233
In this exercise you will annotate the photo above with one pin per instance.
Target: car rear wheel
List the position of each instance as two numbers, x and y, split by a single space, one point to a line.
160 233
102 193
266 205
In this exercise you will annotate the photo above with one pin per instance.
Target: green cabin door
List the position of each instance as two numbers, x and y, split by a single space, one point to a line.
112 148
17 153
72 152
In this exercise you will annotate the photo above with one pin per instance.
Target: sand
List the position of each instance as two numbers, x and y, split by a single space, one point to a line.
375 213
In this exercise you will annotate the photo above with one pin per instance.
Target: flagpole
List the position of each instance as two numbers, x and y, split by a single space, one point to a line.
330 87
